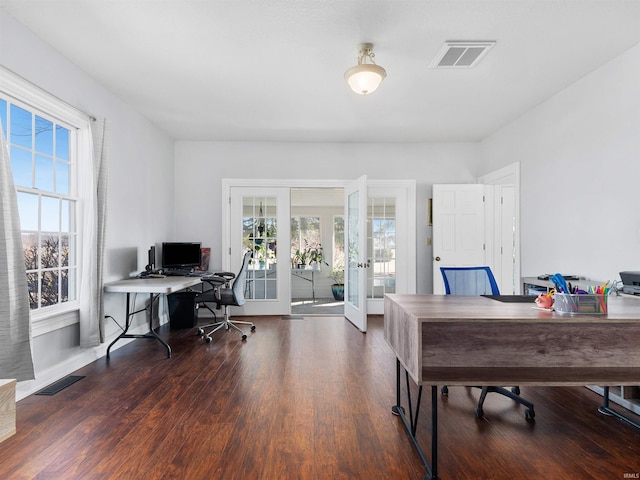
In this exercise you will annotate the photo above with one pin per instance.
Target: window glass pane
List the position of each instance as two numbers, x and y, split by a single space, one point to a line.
62 177
3 116
69 285
69 251
44 136
50 214
49 288
62 142
338 243
28 209
64 286
44 173
64 250
32 282
30 248
305 241
50 251
21 167
66 215
21 128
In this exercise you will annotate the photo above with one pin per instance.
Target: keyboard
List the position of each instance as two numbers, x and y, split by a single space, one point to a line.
178 273
200 273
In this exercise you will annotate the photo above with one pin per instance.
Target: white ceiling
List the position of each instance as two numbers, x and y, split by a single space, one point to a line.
272 70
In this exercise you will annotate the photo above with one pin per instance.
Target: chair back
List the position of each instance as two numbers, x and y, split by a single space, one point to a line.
469 281
239 283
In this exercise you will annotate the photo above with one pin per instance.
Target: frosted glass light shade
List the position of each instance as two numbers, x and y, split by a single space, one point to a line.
365 78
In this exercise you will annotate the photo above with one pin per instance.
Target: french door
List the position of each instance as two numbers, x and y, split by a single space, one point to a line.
357 259
259 222
256 216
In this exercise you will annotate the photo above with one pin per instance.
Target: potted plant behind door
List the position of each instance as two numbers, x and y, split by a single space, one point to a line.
337 289
299 259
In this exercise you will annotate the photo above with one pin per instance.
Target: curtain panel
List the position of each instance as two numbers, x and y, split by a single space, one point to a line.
94 184
15 327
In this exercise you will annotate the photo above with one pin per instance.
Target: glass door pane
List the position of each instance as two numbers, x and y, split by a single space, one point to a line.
353 250
381 243
259 234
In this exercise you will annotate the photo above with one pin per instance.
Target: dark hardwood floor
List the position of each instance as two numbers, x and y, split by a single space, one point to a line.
300 399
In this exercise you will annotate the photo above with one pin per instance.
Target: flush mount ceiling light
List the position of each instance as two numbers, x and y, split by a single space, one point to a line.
366 76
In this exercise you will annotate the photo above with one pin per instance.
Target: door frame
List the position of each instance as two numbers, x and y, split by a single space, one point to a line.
509 175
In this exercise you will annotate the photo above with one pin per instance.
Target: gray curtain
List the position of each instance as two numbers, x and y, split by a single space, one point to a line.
93 237
15 326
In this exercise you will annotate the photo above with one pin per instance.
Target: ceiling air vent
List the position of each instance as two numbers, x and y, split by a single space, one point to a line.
458 54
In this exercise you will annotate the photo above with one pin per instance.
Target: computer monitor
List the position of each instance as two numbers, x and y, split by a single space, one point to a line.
179 255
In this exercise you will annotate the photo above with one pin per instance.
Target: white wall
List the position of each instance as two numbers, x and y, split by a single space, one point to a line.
580 171
140 191
200 167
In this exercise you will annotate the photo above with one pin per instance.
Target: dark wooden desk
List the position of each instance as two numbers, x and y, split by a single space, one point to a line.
454 340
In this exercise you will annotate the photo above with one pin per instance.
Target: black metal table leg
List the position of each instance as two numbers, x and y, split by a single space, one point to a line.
151 334
412 424
606 410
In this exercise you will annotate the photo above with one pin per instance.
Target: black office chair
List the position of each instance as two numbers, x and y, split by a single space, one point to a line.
224 294
479 281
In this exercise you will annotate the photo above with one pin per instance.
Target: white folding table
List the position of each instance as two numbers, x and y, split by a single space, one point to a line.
154 287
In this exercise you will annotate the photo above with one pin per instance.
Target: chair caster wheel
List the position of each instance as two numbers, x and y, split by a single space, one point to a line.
479 413
244 337
529 414
445 390
207 339
253 328
200 332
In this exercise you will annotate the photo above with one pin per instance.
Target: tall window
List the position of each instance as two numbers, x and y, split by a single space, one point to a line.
43 153
305 240
338 242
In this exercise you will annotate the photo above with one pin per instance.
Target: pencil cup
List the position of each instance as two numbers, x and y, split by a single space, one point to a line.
589 304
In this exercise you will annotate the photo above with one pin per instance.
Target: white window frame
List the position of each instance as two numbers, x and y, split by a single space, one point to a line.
24 94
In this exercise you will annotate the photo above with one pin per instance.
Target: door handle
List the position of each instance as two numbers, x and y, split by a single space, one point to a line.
437 259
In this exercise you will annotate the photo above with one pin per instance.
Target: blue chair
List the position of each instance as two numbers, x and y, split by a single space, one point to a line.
469 281
479 281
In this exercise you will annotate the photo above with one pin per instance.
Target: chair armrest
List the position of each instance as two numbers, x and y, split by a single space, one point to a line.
215 281
227 275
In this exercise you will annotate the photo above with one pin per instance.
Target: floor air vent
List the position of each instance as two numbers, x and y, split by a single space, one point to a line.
60 385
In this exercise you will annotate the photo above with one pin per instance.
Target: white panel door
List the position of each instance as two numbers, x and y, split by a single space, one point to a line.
356 261
458 228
